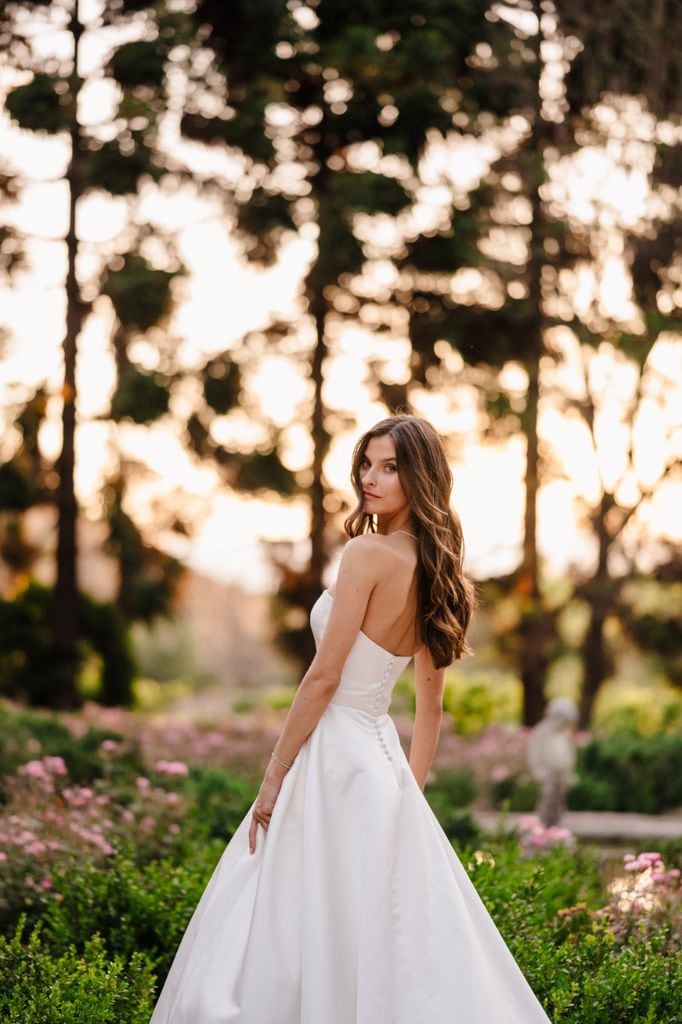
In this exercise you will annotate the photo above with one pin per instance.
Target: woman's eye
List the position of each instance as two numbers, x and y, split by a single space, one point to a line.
391 467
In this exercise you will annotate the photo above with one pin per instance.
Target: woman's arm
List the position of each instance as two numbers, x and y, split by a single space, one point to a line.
429 682
357 577
359 570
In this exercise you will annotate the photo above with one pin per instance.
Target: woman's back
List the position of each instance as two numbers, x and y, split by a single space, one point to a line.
392 617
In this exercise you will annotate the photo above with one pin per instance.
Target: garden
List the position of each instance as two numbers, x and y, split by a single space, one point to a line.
111 823
235 235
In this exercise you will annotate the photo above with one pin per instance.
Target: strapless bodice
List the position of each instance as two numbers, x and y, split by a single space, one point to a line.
370 671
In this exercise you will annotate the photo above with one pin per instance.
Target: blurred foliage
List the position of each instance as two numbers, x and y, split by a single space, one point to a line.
27 730
138 63
221 382
139 396
37 106
120 171
140 294
517 792
17 491
641 708
148 577
476 701
627 772
222 798
31 654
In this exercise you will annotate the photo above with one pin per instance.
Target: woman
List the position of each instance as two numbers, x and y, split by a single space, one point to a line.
339 899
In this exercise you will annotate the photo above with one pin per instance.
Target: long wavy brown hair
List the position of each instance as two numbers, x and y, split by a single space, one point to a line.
447 595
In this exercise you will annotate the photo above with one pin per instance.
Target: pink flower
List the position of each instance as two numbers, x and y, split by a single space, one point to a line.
43 770
109 746
172 768
142 783
55 765
77 796
3 856
36 848
34 769
528 822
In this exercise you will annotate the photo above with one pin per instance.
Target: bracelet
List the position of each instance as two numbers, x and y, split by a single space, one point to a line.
283 763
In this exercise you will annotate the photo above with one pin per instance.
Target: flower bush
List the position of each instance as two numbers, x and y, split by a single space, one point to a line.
646 900
111 825
48 821
534 837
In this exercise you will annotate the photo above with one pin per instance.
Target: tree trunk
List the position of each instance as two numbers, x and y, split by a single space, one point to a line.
596 662
600 592
535 628
318 554
65 614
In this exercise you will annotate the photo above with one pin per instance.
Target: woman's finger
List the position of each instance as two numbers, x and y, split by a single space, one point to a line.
252 834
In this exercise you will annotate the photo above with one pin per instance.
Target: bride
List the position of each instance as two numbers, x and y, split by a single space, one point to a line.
339 899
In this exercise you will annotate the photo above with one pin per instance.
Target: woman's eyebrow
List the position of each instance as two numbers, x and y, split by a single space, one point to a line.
391 458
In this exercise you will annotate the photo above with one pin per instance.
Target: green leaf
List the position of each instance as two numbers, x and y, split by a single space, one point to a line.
222 380
140 294
18 491
141 62
141 397
37 106
119 172
264 470
367 192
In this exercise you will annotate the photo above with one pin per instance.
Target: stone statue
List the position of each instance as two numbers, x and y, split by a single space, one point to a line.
551 758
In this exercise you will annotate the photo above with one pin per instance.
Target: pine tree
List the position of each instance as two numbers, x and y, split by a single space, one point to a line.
45 97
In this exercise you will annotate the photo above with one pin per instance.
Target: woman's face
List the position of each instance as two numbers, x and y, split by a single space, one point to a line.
382 491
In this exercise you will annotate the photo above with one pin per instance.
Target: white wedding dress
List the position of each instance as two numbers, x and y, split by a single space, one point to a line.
354 909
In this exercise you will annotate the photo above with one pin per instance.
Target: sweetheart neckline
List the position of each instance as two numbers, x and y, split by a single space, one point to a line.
396 657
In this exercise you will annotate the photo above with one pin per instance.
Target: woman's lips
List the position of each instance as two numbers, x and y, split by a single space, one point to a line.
368 495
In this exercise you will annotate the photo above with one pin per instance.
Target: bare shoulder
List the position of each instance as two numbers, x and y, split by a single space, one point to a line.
362 557
368 553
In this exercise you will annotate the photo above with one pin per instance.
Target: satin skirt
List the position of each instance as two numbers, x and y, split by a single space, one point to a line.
354 909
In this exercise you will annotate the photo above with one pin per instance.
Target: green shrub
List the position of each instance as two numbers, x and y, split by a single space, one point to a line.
627 772
137 908
459 826
633 707
279 698
221 800
27 733
571 958
33 660
592 794
90 987
516 793
476 701
448 796
456 788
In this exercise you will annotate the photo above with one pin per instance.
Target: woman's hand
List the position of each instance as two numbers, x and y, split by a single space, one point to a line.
265 801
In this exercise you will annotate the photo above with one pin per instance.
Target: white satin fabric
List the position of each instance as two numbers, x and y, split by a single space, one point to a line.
354 909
